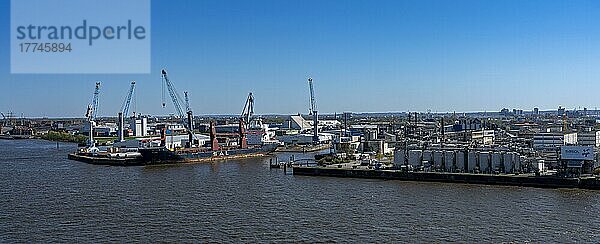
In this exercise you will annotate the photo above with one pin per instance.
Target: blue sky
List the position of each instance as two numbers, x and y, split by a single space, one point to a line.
364 56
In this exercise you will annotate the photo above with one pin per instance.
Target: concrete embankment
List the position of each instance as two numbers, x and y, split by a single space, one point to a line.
487 179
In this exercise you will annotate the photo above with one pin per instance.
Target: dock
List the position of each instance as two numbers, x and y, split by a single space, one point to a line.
592 183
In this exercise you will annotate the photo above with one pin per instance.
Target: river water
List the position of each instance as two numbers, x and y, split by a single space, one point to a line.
45 197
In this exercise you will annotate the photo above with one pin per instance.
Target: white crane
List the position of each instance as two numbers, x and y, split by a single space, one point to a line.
91 113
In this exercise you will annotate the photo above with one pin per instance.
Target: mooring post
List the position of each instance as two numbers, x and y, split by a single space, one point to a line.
284 169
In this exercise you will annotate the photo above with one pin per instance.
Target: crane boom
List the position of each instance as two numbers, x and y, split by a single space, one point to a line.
313 111
187 101
95 102
313 101
175 98
248 110
127 102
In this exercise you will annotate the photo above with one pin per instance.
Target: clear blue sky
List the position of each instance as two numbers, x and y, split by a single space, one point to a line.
363 56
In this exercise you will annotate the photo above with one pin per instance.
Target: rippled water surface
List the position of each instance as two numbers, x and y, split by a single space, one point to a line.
46 198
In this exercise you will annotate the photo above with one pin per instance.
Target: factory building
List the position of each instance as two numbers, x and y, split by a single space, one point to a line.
297 122
305 139
483 137
577 160
139 126
552 140
590 138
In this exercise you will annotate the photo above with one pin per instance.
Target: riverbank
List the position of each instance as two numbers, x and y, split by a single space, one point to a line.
63 137
511 180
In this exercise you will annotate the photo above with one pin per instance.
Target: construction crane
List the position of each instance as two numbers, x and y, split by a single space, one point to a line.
248 110
175 98
125 112
91 113
313 111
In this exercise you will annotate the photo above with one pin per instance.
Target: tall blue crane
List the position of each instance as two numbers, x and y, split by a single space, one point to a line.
124 112
127 102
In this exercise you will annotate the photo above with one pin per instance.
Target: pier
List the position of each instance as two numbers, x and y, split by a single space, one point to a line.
465 178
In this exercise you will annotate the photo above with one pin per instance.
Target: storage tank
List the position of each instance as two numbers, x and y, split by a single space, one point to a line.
428 156
472 161
449 160
509 164
518 160
399 157
460 160
497 160
437 159
484 161
414 158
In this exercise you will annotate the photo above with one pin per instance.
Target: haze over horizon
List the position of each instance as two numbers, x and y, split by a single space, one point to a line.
399 56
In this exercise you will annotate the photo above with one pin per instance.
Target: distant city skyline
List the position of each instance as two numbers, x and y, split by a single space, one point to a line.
383 56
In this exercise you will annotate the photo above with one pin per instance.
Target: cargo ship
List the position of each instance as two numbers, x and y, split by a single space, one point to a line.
252 138
165 153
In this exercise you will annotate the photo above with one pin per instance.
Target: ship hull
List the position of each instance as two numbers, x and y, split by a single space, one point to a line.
151 156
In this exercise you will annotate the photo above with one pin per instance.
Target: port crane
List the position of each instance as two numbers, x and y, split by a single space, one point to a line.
248 110
91 113
176 98
313 111
187 101
125 111
127 102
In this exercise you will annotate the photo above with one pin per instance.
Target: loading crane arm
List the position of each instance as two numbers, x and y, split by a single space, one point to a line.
248 110
127 102
175 98
313 111
95 102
